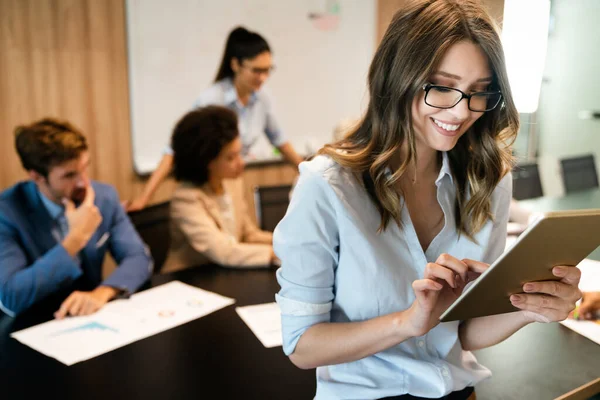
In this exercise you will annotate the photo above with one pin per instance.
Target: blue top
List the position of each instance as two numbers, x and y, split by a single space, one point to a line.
34 263
255 119
337 268
54 210
60 227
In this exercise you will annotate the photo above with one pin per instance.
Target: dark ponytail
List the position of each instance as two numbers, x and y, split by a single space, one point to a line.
243 45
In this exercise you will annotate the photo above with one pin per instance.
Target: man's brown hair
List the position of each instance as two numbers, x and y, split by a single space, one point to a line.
47 143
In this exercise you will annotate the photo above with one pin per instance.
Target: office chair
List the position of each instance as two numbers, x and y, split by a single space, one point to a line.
271 204
152 224
579 173
526 182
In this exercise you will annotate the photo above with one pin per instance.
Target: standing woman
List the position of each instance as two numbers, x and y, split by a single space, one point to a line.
387 226
246 65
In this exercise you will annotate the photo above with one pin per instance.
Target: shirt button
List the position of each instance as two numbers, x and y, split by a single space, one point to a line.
445 373
421 343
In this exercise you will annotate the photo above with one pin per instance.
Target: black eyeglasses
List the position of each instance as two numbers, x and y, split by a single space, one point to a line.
447 97
260 71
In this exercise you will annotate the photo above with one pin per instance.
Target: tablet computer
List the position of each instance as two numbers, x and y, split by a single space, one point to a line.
556 238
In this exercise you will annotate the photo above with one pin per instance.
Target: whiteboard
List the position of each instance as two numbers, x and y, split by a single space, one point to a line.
321 49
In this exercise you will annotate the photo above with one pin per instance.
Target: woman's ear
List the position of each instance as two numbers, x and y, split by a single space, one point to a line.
210 167
235 65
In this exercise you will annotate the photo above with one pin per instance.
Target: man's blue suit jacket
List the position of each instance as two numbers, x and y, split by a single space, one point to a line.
34 265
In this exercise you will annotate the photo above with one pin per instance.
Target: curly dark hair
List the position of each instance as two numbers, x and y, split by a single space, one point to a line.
198 139
47 143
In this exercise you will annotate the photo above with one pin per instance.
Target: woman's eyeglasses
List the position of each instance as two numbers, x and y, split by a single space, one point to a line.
260 71
447 97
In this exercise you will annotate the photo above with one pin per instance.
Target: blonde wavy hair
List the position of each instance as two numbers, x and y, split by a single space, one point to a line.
412 48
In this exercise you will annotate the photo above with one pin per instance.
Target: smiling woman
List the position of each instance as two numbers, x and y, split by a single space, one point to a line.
387 226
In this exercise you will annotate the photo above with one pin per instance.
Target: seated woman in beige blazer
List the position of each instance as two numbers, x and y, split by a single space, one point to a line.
209 217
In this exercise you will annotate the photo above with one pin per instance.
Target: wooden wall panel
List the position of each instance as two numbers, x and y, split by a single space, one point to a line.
385 12
387 8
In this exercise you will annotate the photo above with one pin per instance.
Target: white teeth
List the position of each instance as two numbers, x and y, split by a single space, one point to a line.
447 127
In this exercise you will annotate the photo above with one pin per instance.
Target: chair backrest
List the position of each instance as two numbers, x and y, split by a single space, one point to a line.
579 173
271 203
152 223
526 182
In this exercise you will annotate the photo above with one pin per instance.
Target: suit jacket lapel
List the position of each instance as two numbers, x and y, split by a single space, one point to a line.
212 207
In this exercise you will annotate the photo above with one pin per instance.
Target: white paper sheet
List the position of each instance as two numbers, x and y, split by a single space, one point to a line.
590 282
121 322
264 320
590 275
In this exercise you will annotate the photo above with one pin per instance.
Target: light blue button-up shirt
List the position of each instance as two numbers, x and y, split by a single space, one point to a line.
60 228
337 268
254 119
57 214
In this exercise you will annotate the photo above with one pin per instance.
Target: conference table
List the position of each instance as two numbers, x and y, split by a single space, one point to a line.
218 357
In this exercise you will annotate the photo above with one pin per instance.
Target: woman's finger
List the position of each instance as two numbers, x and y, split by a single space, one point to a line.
426 284
553 288
435 271
453 263
569 275
533 302
476 266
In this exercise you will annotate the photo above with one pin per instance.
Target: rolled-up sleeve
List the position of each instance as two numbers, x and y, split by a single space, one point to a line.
307 243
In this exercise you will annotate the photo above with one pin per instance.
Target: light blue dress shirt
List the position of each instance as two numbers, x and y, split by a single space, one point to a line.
255 118
61 225
57 214
337 268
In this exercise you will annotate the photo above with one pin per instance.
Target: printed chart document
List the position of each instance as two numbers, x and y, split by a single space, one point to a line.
264 320
590 282
121 322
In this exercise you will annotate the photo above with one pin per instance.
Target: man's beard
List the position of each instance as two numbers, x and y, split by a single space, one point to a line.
78 195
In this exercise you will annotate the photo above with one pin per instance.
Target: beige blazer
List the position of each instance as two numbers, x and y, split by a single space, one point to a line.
198 235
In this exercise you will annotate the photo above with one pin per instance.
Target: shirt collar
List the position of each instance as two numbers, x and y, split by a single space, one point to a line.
445 170
231 96
53 209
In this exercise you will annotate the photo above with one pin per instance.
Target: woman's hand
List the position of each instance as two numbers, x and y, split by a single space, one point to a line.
550 301
442 284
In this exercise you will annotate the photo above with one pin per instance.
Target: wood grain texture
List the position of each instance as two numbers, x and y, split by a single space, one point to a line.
583 392
387 8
